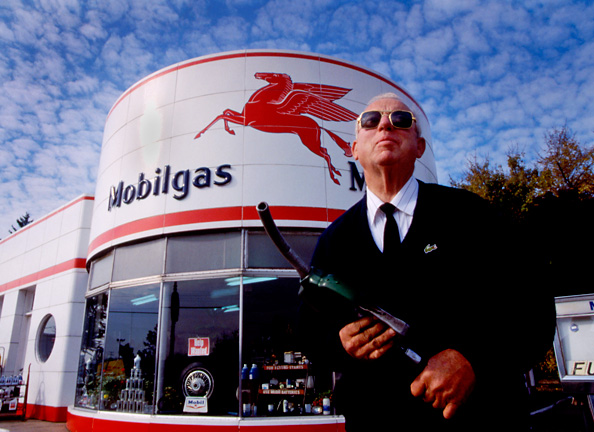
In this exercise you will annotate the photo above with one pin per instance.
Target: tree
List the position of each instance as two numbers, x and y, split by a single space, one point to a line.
566 165
509 192
21 222
551 201
565 168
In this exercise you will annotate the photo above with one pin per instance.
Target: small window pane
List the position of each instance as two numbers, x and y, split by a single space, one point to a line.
139 260
91 353
262 253
46 339
204 252
101 271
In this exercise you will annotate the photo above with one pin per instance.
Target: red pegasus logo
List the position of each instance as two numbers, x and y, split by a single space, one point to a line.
278 108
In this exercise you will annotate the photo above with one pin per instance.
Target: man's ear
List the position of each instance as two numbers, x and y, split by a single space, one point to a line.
354 150
421 144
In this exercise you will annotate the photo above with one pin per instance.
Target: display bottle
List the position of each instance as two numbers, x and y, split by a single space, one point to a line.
254 373
326 406
244 372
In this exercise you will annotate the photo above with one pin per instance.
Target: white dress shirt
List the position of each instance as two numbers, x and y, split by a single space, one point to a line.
405 202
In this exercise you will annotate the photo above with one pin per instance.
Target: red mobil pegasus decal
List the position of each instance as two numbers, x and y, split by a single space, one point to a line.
279 108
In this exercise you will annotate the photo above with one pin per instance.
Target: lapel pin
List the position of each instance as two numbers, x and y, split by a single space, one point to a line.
430 248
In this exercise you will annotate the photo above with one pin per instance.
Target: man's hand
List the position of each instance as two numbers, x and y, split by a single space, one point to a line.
446 382
367 338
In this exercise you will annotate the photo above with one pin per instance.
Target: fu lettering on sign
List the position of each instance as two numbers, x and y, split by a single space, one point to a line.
582 368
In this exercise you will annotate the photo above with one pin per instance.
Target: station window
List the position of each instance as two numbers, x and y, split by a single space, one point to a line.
139 260
130 350
262 253
278 377
46 338
101 270
202 335
199 348
203 252
91 353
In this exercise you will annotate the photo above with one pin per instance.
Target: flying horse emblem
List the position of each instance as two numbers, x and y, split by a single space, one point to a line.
279 108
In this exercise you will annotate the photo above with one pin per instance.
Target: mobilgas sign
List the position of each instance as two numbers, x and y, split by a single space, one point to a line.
180 182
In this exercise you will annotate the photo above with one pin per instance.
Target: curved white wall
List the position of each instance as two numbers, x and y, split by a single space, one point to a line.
285 110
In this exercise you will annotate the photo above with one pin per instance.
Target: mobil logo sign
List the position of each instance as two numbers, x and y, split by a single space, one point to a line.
285 107
196 405
199 144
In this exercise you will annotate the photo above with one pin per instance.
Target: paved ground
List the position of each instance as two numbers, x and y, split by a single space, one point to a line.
561 415
31 426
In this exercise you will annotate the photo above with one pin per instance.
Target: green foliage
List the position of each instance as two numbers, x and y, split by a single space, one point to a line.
510 192
566 165
552 202
21 222
564 168
546 375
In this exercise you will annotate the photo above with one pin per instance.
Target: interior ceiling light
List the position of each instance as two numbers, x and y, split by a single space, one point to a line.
235 281
142 300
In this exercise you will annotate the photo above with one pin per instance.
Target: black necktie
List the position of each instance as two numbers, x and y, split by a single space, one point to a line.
391 234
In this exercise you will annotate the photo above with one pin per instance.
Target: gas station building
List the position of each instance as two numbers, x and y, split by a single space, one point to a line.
160 300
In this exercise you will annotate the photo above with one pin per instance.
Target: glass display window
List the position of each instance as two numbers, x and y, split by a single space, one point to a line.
199 359
278 378
181 327
130 350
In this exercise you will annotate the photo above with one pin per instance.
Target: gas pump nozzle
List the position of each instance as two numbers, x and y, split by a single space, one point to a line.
317 286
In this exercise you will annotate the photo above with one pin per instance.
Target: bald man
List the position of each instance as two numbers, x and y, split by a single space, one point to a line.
442 268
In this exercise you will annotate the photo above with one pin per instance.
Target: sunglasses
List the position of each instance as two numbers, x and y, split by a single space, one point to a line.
399 119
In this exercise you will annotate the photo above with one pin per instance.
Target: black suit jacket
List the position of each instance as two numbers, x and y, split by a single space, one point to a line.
453 282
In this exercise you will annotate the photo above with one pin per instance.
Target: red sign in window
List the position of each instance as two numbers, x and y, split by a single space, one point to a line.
199 346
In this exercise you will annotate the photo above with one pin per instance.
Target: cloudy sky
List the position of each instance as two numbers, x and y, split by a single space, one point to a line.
490 74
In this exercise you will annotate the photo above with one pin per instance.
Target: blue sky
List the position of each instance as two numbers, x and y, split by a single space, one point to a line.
490 74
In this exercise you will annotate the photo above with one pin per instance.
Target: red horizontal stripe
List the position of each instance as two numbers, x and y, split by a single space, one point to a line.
222 214
76 263
206 215
47 413
92 423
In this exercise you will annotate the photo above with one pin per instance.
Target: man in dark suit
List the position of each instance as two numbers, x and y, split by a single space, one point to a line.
448 278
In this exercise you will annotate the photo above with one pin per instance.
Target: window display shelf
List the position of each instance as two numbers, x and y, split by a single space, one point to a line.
282 391
13 395
285 367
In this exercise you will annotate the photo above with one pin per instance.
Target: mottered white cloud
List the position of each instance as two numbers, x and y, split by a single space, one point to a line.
489 74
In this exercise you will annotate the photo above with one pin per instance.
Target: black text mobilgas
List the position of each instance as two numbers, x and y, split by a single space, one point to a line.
164 180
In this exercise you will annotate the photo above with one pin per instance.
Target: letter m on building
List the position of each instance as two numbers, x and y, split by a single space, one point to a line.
115 196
